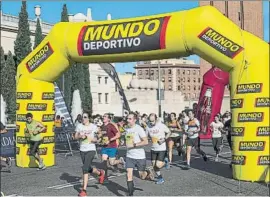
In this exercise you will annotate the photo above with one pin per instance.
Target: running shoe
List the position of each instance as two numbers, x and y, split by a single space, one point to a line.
101 177
160 181
123 162
216 159
8 162
205 158
82 193
188 166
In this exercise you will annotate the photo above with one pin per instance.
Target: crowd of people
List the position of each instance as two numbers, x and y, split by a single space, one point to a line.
135 131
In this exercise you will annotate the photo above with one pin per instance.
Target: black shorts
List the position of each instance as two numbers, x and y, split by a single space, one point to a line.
193 142
87 159
34 145
176 140
139 163
158 155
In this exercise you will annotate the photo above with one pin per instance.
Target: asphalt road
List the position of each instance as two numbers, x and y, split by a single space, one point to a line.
203 179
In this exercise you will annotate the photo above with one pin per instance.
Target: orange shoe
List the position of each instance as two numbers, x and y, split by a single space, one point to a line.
82 193
101 176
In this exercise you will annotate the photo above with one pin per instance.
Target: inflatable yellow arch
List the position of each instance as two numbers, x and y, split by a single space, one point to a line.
203 31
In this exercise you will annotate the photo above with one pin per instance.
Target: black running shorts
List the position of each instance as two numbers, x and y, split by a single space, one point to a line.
139 163
158 155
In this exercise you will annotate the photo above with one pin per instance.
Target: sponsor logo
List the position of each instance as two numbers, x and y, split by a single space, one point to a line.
42 55
48 96
53 150
238 159
262 102
237 103
249 88
24 95
116 38
17 106
36 107
17 128
264 160
17 150
21 117
41 151
48 118
48 140
220 42
250 117
263 131
22 140
251 146
238 131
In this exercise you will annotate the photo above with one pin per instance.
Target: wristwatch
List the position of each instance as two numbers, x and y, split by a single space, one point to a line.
134 145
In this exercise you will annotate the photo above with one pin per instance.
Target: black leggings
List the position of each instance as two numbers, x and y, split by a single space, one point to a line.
216 144
87 159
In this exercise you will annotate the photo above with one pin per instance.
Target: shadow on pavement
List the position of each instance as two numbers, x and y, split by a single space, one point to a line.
115 188
71 179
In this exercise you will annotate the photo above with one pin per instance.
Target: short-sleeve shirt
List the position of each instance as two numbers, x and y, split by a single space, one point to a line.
216 129
193 126
156 133
89 131
134 135
111 131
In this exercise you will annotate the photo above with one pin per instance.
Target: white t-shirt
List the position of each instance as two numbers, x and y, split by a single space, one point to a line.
156 133
89 131
185 121
193 126
134 135
216 132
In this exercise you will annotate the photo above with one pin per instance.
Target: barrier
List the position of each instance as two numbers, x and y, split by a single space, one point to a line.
8 143
203 31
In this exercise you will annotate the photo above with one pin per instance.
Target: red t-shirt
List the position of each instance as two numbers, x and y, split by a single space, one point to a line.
111 132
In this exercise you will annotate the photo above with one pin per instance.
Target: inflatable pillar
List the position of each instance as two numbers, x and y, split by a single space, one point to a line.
36 97
211 96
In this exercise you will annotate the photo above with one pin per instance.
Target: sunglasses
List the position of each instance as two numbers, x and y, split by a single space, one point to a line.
85 117
129 118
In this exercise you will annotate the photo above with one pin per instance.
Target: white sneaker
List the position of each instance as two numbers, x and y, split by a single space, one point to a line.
216 159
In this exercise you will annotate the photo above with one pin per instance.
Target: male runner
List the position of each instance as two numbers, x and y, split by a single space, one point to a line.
159 133
33 129
7 160
109 150
86 134
136 139
192 137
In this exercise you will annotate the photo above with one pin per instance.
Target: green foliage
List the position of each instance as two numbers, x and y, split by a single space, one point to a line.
87 105
4 79
8 86
22 44
38 34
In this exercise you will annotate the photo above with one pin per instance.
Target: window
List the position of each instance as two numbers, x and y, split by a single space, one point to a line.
170 71
146 72
199 87
183 88
188 72
106 97
106 80
199 80
194 80
179 88
179 80
152 72
188 79
99 98
140 72
198 72
194 72
178 71
170 87
163 79
99 80
184 72
188 87
194 87
170 79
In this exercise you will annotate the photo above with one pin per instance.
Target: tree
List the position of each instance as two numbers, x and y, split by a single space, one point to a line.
4 80
22 44
38 34
67 76
9 86
76 105
87 105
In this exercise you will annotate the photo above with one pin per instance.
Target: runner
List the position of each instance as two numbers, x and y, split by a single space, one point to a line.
192 137
136 139
175 137
159 133
7 160
34 130
110 135
86 134
216 127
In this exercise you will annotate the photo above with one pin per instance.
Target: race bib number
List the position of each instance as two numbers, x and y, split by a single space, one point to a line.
129 140
154 140
105 140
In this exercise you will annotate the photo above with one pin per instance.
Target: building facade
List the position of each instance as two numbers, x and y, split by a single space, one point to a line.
246 14
176 74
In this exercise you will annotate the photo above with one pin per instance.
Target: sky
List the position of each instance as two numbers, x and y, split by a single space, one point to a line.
51 13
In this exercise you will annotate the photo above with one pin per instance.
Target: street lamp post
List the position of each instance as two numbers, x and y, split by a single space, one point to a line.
159 93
